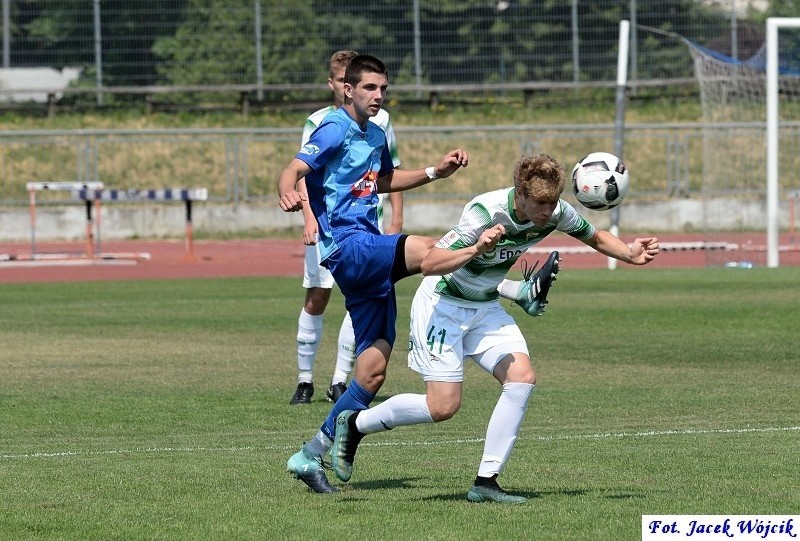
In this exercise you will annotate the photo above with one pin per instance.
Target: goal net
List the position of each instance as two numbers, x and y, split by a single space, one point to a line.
735 188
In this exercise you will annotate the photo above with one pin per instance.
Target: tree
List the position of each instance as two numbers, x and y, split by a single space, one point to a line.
58 33
216 44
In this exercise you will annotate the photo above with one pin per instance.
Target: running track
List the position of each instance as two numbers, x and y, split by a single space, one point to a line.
268 257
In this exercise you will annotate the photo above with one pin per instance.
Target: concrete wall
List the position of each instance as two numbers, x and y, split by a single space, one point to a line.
163 220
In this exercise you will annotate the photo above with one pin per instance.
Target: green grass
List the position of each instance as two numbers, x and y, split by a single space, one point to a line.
589 106
159 410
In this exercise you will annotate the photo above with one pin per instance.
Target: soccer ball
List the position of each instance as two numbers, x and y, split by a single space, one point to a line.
600 181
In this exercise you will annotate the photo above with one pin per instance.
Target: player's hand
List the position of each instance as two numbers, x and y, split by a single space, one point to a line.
489 238
644 250
451 162
310 234
292 201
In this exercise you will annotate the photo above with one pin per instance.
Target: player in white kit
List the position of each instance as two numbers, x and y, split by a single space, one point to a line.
456 314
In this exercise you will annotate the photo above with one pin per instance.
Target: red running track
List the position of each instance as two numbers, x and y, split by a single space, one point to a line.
284 257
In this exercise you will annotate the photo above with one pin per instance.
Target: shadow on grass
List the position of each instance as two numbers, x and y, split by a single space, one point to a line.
382 484
462 496
532 495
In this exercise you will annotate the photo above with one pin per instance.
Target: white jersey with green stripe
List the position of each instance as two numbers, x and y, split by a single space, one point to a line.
477 281
383 122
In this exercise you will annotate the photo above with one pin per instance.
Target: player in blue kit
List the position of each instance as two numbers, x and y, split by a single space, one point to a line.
317 280
346 163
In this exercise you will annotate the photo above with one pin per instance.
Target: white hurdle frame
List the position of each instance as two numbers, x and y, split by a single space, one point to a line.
34 187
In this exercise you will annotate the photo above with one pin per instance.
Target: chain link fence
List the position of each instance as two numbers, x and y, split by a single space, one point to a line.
276 46
238 165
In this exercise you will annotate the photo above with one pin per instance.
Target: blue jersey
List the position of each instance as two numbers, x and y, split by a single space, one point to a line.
346 162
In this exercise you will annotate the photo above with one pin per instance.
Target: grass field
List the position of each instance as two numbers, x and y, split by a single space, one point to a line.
159 410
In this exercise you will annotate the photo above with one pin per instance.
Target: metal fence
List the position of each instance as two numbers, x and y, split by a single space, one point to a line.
666 161
273 44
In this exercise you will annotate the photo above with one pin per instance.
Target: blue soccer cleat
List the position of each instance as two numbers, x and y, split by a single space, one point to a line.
309 469
493 493
533 292
345 444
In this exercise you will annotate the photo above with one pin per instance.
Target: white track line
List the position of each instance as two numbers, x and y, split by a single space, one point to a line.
599 436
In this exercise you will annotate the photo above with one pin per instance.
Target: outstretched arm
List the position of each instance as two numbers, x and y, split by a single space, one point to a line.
640 252
404 179
292 200
442 261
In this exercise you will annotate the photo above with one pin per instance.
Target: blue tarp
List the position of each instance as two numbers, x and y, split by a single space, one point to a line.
756 62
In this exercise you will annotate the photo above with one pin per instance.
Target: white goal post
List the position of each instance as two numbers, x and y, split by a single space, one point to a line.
774 24
619 121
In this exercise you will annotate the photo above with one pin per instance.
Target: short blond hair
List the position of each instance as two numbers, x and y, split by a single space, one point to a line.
340 60
539 177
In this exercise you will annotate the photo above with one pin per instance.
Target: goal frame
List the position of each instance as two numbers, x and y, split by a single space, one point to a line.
774 24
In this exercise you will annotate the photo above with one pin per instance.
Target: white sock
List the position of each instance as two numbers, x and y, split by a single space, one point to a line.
309 333
509 289
320 444
503 427
346 356
399 410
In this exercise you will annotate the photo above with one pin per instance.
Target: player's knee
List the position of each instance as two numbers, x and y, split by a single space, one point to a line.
440 415
317 300
515 368
527 376
373 381
444 410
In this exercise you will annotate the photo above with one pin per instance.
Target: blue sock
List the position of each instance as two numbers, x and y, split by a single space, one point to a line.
355 398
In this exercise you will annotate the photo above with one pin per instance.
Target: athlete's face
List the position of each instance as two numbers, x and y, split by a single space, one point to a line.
367 95
336 83
539 211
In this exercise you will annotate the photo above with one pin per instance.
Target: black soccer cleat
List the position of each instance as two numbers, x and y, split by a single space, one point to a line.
303 393
335 391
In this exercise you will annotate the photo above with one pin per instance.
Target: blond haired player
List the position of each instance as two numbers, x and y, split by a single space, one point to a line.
456 314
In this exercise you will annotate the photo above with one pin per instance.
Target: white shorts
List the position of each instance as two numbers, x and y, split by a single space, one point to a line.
313 274
443 333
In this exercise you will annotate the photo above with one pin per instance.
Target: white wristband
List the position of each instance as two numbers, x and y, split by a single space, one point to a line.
431 172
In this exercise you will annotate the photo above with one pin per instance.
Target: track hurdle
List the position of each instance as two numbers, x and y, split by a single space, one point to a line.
187 195
34 187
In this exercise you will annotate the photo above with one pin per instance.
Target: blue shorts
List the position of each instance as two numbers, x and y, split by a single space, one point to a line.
362 268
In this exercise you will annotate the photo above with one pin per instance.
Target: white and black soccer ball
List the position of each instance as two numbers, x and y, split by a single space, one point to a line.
600 181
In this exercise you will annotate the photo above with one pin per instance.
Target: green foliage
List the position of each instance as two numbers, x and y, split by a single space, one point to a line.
212 42
159 410
57 33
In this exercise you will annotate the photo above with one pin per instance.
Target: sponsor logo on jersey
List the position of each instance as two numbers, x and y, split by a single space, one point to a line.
511 253
366 185
309 149
447 240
